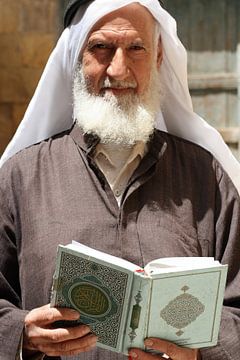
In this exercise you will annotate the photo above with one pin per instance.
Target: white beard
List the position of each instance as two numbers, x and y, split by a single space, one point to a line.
122 120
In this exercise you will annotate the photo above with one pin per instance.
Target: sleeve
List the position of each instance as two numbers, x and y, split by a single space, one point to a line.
11 314
19 355
227 251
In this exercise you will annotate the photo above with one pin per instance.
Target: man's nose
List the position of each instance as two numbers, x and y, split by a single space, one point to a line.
118 68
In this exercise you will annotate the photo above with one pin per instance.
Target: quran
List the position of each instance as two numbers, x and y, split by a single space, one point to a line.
176 299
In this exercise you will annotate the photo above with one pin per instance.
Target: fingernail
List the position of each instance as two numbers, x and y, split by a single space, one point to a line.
133 355
94 337
86 329
148 342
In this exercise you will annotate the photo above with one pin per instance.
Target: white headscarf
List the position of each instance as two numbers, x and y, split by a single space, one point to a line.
51 111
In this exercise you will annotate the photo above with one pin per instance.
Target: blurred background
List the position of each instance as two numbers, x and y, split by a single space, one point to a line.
209 29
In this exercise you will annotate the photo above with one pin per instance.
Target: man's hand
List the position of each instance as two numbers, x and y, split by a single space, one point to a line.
173 351
40 336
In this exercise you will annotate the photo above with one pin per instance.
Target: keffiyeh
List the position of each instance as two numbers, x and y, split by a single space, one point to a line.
51 111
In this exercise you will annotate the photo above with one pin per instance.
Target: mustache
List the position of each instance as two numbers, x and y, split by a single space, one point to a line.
118 84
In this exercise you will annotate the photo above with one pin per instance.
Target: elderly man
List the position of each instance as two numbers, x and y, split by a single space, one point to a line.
112 181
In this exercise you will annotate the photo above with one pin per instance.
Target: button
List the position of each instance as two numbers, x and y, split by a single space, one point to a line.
117 192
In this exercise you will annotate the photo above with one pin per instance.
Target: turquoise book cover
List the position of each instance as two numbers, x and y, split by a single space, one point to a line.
186 307
99 292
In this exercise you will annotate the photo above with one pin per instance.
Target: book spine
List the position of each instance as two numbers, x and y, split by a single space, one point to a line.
53 293
54 289
135 328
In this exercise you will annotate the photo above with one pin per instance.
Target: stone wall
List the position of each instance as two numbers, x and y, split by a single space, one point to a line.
28 32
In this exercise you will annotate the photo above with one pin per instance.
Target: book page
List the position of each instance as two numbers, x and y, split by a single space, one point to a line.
174 264
103 256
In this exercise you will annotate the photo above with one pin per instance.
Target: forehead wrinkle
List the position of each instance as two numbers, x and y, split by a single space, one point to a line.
121 23
116 35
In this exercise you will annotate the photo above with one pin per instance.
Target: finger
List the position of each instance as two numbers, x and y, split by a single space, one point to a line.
71 347
71 353
46 315
38 335
142 355
174 351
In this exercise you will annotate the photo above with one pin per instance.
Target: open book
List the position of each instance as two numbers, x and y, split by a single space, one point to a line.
177 299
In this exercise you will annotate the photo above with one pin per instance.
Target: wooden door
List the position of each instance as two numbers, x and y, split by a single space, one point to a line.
210 30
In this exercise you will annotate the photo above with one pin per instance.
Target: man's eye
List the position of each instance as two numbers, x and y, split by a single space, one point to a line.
101 46
137 47
98 46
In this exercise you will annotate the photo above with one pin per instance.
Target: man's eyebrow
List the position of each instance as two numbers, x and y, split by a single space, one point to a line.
97 40
102 40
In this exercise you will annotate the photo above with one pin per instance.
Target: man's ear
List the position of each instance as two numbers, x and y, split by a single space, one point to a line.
159 53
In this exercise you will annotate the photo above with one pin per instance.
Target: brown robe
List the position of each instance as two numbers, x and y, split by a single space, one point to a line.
179 202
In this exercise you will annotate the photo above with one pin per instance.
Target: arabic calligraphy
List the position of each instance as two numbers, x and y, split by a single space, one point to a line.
90 299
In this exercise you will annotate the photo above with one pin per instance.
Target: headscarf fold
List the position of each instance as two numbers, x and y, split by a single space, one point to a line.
51 108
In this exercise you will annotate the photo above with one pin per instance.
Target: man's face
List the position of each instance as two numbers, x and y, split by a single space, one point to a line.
121 49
